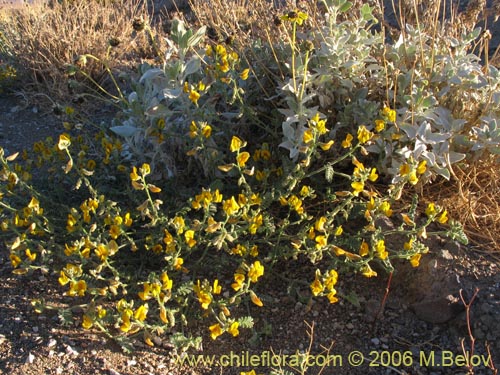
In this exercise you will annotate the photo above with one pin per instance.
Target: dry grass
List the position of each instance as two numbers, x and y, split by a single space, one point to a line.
473 198
46 39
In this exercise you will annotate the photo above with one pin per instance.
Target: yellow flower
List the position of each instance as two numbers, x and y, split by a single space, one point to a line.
216 289
220 50
443 218
368 272
87 322
189 237
347 142
215 331
63 278
316 286
114 231
326 146
31 256
332 296
321 242
408 245
407 220
208 50
167 282
194 96
308 136
242 158
415 260
390 114
236 144
256 270
422 167
238 281
319 225
193 130
385 208
373 175
404 169
364 249
127 220
379 125
77 288
230 206
430 210
233 329
295 16
331 280
133 175
141 313
163 314
364 135
380 249
244 74
178 263
358 187
206 131
255 223
126 325
205 299
255 299
179 224
64 142
296 203
412 178
339 231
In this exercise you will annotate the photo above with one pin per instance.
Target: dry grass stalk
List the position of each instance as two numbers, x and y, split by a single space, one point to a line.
473 198
47 39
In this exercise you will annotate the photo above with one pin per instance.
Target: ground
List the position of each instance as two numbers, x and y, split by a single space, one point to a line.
422 322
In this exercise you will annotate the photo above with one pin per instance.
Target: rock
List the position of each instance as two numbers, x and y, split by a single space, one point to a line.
438 310
445 254
30 359
375 341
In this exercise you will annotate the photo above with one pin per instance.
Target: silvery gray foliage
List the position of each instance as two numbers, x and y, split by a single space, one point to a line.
157 96
447 100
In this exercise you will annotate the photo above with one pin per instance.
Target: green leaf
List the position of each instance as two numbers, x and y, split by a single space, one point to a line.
246 322
345 7
329 173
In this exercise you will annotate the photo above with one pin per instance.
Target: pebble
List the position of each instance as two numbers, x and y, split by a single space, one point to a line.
375 341
131 362
30 359
113 372
71 351
52 343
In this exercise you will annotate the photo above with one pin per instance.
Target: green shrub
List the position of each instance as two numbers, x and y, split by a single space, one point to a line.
200 189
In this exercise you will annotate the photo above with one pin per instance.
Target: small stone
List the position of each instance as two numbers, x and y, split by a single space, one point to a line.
35 329
30 359
71 351
445 254
52 343
438 310
59 371
375 341
349 326
157 341
113 372
131 362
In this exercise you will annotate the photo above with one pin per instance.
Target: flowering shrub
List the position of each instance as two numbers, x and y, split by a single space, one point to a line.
198 191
